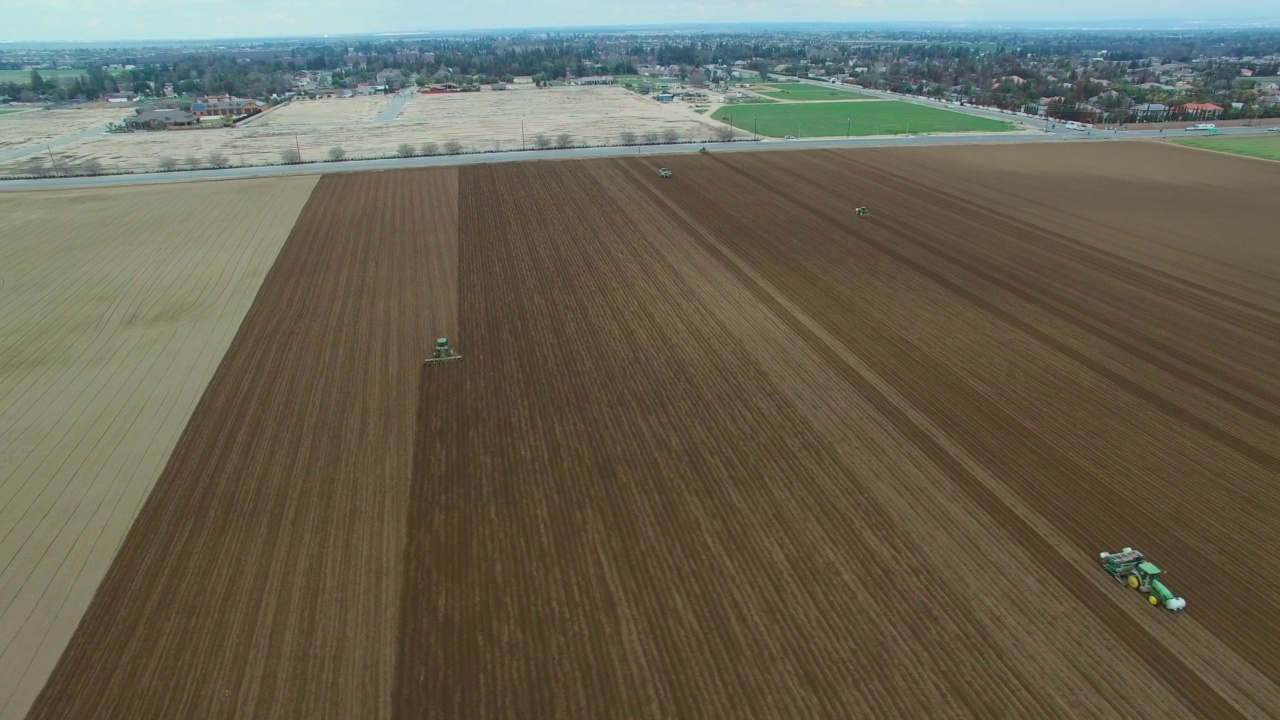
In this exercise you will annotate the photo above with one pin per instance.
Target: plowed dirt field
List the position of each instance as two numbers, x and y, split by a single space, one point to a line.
719 448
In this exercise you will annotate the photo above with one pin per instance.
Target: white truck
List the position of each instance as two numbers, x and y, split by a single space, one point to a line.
1203 126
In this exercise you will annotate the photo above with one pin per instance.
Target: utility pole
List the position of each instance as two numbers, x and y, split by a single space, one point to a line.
522 133
755 127
297 145
730 128
848 127
53 164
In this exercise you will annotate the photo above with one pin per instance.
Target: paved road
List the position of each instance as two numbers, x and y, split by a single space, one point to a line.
394 107
597 152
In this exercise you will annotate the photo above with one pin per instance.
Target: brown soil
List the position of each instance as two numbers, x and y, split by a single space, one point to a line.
719 448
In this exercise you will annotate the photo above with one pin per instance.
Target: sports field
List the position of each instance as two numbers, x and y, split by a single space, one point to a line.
834 119
1259 146
807 92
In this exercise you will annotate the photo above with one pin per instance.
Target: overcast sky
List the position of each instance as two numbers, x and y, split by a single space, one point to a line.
33 20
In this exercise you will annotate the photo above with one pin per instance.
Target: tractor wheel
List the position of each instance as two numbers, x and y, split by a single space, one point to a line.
1133 582
1153 600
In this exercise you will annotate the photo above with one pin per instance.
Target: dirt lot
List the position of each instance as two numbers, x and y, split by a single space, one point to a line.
719 448
479 121
35 126
115 308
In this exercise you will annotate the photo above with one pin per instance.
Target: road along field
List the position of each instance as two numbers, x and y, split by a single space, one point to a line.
719 448
115 308
836 119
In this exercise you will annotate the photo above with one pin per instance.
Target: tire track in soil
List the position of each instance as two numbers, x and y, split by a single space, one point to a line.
1241 619
1089 322
1264 458
1190 686
261 578
458 680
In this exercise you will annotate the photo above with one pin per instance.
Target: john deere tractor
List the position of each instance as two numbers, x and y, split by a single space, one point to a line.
664 173
862 211
442 352
1130 567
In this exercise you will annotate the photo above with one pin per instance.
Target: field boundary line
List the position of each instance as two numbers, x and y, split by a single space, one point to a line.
1260 456
1174 142
1020 521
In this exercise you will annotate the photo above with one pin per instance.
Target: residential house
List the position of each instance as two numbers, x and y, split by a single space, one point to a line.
119 97
369 89
160 119
1200 110
1111 99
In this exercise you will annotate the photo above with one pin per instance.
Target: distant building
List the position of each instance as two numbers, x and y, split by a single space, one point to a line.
665 97
118 97
225 106
367 89
160 119
1201 110
593 80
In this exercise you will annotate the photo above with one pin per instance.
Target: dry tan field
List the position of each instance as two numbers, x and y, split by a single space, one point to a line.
116 306
480 121
27 128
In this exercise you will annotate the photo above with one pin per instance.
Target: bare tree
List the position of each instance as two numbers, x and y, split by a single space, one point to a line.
191 161
291 156
628 137
650 136
564 140
35 166
406 150
167 164
542 142
336 153
431 148
218 160
453 147
724 133
90 167
670 135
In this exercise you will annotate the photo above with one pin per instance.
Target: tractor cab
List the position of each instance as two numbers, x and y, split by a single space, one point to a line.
664 173
442 351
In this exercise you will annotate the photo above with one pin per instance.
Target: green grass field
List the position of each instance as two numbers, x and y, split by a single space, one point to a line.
1260 146
890 117
806 92
24 76
9 111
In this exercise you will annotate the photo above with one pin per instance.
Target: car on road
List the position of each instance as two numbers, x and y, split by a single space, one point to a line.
1273 129
789 137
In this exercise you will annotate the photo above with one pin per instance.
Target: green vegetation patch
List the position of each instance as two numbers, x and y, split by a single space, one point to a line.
890 117
1259 146
807 92
24 76
9 111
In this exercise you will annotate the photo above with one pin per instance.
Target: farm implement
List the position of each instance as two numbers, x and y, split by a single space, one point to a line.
442 352
1130 567
664 173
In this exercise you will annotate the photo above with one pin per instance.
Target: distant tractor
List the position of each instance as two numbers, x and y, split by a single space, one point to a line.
862 211
442 352
1130 567
664 173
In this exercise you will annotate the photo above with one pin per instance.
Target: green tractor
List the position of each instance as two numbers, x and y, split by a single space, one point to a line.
664 173
862 211
1130 567
442 352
